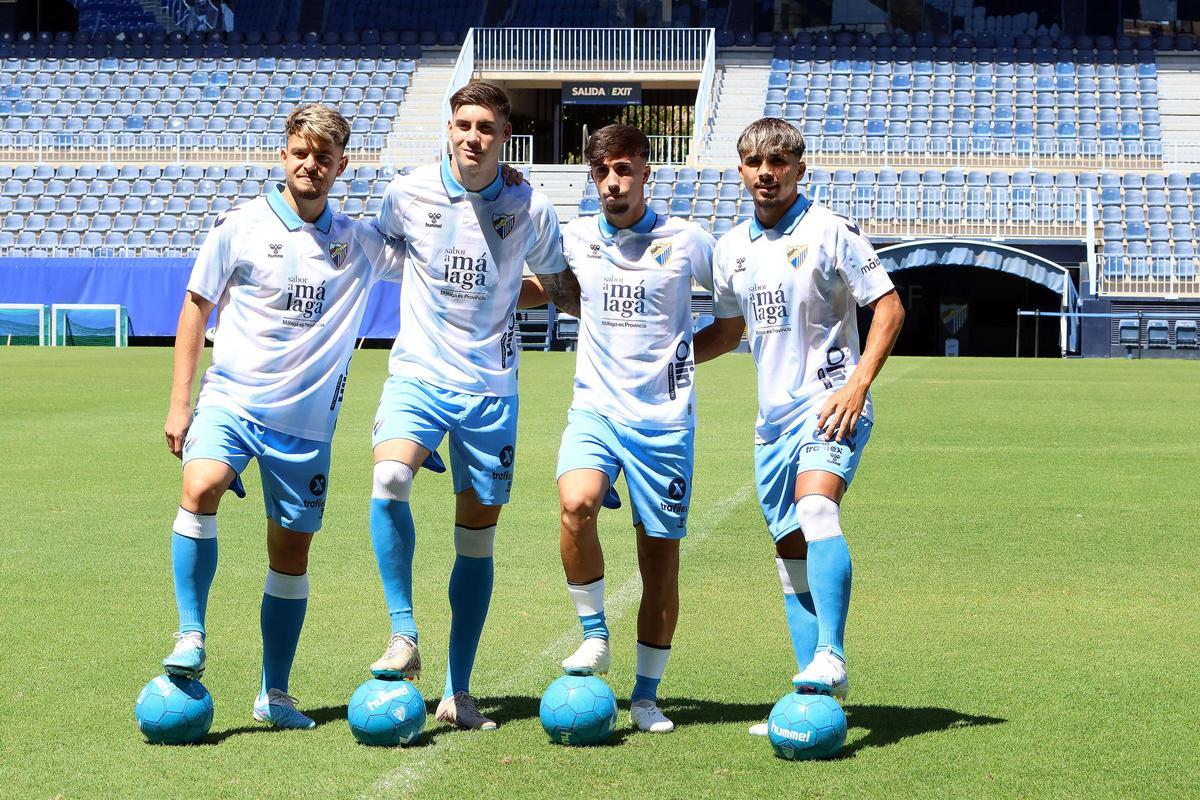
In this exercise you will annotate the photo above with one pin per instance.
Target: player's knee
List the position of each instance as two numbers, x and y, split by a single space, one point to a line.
578 505
819 517
392 480
475 542
792 546
201 492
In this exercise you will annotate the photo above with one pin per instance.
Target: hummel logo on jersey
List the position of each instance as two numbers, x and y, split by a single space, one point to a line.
276 249
795 255
740 265
503 224
593 250
337 253
660 251
435 220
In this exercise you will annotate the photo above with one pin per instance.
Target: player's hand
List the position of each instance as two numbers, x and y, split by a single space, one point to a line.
512 177
176 428
841 411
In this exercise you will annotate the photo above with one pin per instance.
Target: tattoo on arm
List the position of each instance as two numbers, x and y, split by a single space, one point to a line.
563 290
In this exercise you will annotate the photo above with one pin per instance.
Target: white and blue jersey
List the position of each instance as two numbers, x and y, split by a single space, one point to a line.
797 286
634 407
466 253
634 363
290 298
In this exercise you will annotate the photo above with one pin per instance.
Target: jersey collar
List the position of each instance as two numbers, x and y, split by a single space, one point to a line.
290 219
643 225
456 190
787 223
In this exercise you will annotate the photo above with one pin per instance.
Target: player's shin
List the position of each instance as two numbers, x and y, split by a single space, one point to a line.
829 570
798 607
393 538
194 564
470 595
284 603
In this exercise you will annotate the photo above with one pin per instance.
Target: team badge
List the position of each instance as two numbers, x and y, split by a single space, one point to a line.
504 224
795 255
660 251
337 253
954 317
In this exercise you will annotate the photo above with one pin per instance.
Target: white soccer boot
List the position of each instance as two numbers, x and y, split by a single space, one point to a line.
279 709
460 711
592 658
825 674
759 729
646 716
400 660
187 659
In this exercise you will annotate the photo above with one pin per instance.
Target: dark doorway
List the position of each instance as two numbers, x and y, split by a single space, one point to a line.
974 307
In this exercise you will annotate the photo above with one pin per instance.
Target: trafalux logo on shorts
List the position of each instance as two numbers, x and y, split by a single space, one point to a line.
506 456
317 485
677 489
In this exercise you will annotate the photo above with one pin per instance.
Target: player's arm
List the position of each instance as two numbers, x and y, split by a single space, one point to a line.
553 280
717 339
869 285
560 288
189 342
390 220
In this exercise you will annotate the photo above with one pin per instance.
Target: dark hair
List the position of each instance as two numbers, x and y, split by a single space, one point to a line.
481 93
616 140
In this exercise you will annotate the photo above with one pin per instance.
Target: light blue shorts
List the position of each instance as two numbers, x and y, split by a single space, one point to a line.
482 430
294 471
657 464
801 449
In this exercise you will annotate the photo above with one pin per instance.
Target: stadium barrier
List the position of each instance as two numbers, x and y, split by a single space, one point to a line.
1136 331
704 95
173 148
597 50
671 150
1148 276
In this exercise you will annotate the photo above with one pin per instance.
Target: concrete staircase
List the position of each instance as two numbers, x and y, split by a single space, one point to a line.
741 92
1179 102
417 132
563 184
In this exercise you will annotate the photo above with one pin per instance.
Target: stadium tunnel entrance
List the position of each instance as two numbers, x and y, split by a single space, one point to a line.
961 298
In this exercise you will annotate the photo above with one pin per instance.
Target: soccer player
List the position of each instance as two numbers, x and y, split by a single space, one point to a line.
290 279
453 371
794 274
633 408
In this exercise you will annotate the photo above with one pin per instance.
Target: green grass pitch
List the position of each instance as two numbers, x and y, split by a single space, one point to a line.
1024 620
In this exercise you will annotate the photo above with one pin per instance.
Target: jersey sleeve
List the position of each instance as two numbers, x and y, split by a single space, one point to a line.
701 244
545 256
858 265
725 302
214 263
389 266
390 220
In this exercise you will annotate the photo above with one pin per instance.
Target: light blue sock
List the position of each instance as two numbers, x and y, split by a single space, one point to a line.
798 607
394 538
193 564
829 575
651 663
284 603
589 605
470 595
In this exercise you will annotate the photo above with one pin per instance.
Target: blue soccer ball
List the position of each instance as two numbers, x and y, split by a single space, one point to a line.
173 710
806 726
386 713
579 710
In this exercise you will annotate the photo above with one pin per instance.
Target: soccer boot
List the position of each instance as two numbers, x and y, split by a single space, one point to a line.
400 660
646 717
759 729
825 674
592 658
187 659
459 710
279 709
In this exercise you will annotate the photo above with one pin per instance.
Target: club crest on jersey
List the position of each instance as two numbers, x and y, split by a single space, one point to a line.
337 253
503 224
661 252
795 255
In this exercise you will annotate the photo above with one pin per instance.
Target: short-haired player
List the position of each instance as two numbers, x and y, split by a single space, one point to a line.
289 278
795 274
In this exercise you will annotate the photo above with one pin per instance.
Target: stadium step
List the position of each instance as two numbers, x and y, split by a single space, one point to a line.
742 77
417 133
563 184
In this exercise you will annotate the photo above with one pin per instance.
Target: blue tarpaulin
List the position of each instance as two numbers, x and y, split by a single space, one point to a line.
151 289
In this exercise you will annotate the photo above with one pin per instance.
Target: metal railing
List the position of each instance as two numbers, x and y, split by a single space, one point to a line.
992 154
193 15
671 149
1009 213
518 150
1148 276
704 95
598 50
165 147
